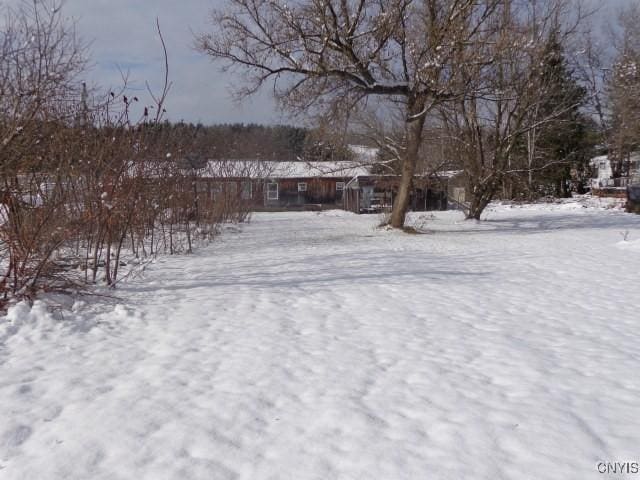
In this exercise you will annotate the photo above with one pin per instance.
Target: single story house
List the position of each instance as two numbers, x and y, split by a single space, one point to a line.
272 185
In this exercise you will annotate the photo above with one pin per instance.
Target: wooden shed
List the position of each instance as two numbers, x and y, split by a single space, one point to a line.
377 193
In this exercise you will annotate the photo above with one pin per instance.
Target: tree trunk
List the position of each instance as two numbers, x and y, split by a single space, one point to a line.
478 204
107 262
414 139
481 196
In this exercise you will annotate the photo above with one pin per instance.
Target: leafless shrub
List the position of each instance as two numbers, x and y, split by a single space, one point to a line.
86 177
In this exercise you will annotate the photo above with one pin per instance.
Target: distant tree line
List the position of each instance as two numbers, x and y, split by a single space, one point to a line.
239 141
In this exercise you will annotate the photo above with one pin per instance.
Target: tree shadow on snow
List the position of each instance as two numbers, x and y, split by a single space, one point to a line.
547 223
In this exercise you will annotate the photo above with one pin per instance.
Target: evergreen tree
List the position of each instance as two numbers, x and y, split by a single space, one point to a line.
557 152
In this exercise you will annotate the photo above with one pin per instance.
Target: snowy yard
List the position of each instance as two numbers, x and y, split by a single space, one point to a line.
316 346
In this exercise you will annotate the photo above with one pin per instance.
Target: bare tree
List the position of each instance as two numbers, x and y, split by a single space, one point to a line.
623 88
593 70
502 111
331 55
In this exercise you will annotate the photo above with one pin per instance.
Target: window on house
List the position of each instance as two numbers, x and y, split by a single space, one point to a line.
339 186
302 187
246 190
272 191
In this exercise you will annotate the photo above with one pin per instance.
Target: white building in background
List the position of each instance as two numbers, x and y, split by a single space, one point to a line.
603 174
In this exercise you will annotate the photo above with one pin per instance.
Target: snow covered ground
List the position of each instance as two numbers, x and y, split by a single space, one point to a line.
315 346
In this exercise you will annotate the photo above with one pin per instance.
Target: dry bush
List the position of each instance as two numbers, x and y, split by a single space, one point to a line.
86 180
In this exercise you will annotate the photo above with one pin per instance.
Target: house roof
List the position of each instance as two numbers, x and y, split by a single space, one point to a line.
274 169
363 159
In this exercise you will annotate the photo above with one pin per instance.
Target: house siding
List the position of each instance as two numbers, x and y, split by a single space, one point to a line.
319 191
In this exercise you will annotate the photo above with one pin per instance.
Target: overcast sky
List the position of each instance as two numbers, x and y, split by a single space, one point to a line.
122 35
